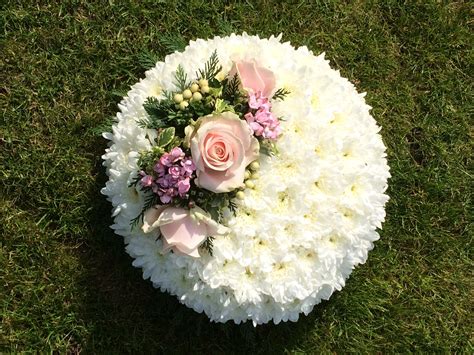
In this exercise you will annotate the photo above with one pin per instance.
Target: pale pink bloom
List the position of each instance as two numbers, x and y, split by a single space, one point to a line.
254 78
222 146
183 230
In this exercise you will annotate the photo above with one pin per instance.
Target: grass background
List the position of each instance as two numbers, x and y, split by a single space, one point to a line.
66 282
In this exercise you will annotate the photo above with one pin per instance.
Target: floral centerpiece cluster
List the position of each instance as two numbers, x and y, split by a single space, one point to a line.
211 131
247 178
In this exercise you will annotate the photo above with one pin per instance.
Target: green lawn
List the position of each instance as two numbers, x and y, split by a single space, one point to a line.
67 283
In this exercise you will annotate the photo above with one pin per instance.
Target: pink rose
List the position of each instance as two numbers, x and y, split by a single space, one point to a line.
183 230
254 78
222 146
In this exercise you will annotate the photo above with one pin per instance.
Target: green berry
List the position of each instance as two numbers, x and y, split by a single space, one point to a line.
205 89
183 105
178 98
194 87
240 195
249 184
187 94
197 96
203 82
255 165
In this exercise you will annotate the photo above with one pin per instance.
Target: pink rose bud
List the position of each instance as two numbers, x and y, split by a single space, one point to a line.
183 230
254 78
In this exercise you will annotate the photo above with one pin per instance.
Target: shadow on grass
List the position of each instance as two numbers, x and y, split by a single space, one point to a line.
121 311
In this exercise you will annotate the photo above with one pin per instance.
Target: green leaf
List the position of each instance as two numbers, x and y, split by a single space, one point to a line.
166 136
151 199
216 92
222 106
157 111
208 244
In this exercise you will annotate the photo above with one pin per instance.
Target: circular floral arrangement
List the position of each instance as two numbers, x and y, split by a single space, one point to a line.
247 178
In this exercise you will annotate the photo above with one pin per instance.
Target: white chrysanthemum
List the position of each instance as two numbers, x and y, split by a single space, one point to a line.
315 208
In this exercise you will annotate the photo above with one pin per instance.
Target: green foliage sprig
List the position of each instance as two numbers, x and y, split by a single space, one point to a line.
280 94
208 245
147 59
232 88
163 114
211 68
167 113
181 79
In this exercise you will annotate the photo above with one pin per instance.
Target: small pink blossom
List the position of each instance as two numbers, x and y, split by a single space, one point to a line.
165 160
147 180
183 186
159 167
176 154
174 171
188 166
166 195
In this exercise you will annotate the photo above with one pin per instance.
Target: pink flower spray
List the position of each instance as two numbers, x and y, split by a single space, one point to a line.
173 175
260 119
